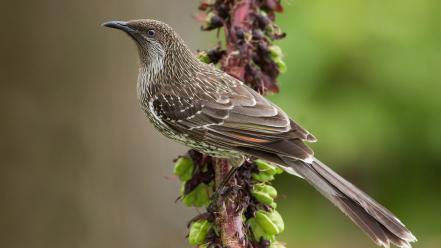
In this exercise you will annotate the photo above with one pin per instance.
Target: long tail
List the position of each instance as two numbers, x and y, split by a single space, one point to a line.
378 222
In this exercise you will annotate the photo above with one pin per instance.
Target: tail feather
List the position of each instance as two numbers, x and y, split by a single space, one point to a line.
375 220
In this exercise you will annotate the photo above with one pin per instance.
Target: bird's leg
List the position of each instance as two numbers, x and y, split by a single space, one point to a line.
221 189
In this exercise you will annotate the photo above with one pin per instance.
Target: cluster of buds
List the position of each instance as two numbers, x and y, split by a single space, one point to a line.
258 204
195 171
250 56
249 31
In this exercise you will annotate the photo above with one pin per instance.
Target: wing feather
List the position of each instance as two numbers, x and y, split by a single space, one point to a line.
237 119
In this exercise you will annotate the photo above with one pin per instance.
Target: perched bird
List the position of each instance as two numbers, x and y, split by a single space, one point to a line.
206 109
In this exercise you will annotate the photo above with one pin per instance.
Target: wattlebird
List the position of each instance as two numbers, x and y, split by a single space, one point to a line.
208 110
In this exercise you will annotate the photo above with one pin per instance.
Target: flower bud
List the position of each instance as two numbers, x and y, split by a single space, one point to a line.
280 65
276 51
198 197
203 57
277 245
264 193
271 222
262 197
184 168
266 171
258 231
198 232
267 167
262 177
212 21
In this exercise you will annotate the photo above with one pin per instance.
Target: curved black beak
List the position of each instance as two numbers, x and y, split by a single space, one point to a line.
119 25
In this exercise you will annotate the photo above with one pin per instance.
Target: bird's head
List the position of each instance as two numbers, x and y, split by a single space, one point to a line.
153 38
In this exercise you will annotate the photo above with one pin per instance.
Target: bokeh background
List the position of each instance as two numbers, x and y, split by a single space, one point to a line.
80 167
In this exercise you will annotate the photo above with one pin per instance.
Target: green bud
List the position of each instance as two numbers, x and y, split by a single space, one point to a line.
262 197
198 232
198 197
266 171
273 205
182 188
276 51
265 223
279 170
271 222
264 166
262 177
184 168
277 245
276 218
258 231
203 57
268 189
264 193
280 65
212 21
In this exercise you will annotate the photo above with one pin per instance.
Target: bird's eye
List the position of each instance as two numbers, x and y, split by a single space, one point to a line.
151 33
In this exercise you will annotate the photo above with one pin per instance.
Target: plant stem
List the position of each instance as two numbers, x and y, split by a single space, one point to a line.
229 216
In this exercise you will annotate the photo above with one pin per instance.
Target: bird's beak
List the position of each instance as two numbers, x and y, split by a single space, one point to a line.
119 25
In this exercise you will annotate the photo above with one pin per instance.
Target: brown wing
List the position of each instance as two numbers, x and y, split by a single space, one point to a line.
240 119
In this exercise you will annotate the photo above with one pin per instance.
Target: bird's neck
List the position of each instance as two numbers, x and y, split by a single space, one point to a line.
159 70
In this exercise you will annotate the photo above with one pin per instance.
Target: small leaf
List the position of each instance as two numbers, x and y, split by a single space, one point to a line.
184 168
198 232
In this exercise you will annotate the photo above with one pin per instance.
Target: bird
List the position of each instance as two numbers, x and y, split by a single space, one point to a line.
206 109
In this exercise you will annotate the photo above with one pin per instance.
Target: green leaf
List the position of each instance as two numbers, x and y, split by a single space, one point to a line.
198 232
184 168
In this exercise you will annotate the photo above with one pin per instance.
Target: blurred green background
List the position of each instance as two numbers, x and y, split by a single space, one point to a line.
80 166
364 77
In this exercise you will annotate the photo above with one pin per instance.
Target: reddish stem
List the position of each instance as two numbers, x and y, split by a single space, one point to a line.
228 218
